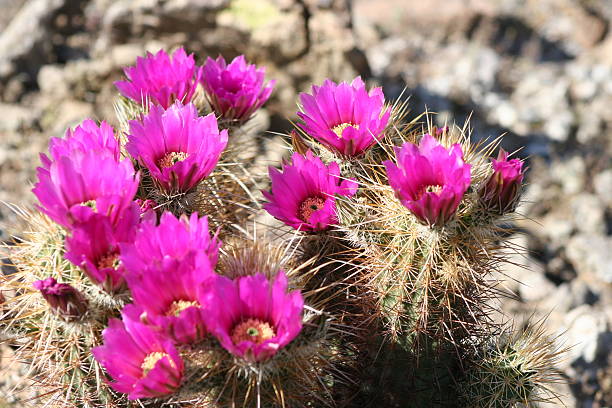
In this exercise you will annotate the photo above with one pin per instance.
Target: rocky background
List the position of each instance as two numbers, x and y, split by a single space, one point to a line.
539 71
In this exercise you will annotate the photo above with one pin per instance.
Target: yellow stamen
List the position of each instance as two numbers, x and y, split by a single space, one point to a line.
340 128
150 360
179 305
170 159
110 260
433 189
91 204
253 330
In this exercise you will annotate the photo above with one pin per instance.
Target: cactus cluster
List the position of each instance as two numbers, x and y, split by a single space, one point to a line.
161 270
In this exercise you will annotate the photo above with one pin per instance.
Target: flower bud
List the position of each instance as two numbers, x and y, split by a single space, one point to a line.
501 192
65 300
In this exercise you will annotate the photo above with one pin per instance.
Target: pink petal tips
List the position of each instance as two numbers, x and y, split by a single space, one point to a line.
303 194
237 90
429 179
257 318
178 147
161 79
501 192
82 182
168 266
143 363
345 118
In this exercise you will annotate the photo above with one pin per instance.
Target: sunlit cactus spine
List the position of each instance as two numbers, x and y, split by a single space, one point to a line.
148 279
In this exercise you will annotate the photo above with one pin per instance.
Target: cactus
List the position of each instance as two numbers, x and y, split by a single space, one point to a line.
376 291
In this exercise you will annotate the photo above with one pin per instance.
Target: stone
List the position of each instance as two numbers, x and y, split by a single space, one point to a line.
22 39
590 255
588 214
602 182
571 173
583 327
51 80
14 117
534 284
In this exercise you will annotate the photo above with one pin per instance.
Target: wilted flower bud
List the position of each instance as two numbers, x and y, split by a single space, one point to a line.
64 300
501 192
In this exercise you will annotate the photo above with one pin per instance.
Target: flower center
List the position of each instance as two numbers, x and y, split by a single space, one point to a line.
309 206
340 128
254 330
151 359
170 159
110 260
432 188
179 305
91 204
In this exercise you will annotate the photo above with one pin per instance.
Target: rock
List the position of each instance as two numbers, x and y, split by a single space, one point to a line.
14 117
557 226
584 327
590 255
602 182
25 43
588 213
194 6
51 80
68 113
534 285
571 173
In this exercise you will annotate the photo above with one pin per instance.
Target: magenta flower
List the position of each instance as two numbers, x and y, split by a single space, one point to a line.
142 362
73 187
86 137
303 195
167 266
173 238
345 118
94 247
237 90
429 179
251 317
178 147
64 300
501 192
161 79
169 295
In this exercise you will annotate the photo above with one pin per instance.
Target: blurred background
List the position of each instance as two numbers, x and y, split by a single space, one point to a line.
539 71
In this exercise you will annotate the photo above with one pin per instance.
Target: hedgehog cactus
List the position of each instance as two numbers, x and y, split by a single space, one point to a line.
149 277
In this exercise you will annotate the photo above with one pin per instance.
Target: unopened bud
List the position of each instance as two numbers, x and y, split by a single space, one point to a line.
64 300
501 192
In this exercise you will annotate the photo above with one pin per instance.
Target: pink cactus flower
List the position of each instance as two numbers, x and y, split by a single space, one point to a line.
169 296
237 90
251 317
178 147
429 179
161 79
501 192
64 300
173 238
303 194
86 137
142 362
167 266
73 187
94 247
345 118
